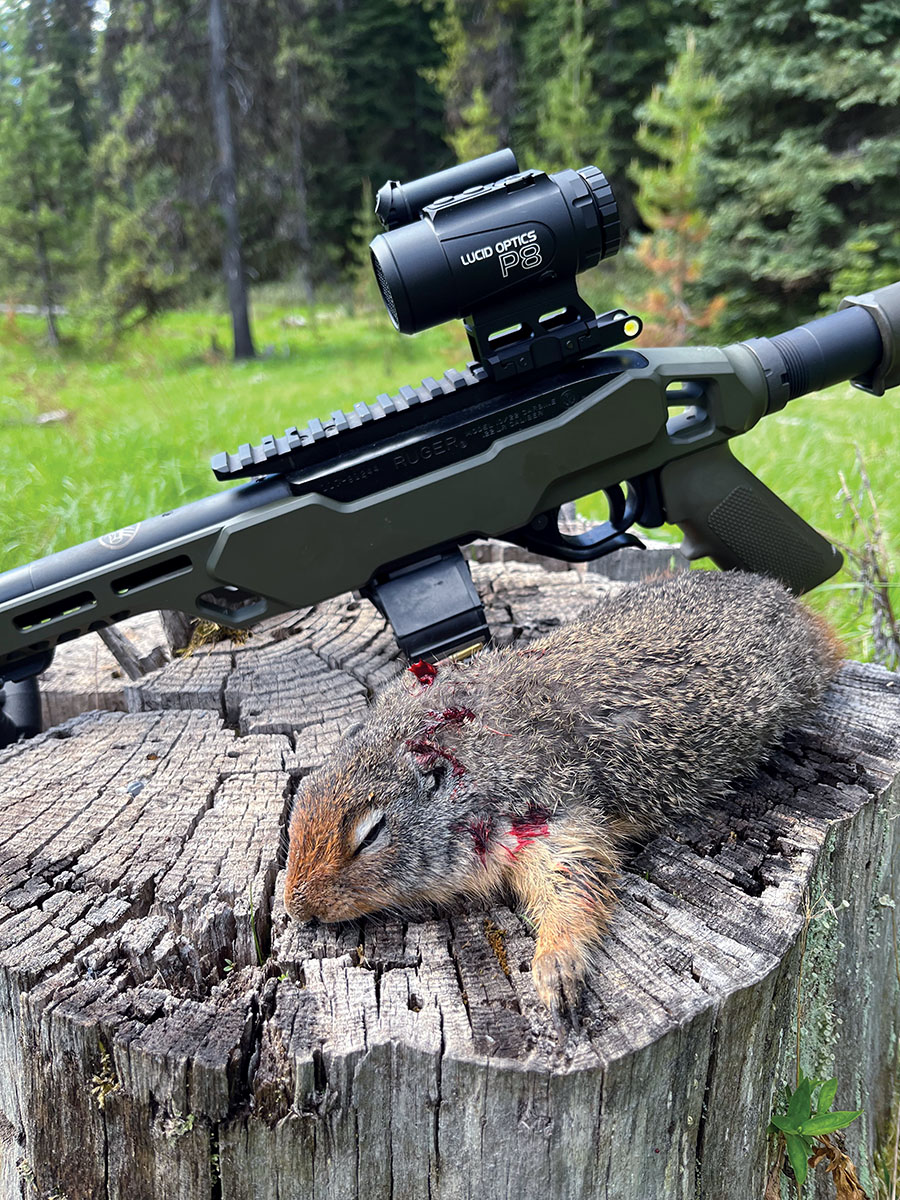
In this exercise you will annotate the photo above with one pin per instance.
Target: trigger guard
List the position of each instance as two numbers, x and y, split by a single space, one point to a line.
543 535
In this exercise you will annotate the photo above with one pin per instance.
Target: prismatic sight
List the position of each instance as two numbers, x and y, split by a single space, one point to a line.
500 248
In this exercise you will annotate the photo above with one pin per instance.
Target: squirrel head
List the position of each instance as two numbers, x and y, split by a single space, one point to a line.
376 829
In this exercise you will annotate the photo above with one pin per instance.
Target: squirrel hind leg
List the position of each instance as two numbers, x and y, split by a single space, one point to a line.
565 884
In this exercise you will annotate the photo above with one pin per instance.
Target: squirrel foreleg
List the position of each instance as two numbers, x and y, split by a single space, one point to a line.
564 882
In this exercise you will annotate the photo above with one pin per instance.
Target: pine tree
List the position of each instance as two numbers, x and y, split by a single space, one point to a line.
364 293
872 260
476 133
60 32
568 130
232 249
41 174
673 132
353 103
303 77
155 231
478 77
391 112
586 69
804 154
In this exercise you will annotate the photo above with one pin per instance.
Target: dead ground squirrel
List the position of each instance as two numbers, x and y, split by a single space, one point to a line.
527 770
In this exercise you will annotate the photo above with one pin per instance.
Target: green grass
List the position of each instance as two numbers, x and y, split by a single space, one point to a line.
144 416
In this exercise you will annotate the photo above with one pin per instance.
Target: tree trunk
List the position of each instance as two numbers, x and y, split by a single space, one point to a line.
298 185
167 1032
46 275
227 178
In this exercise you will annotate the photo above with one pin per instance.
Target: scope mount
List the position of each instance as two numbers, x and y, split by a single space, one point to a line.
549 324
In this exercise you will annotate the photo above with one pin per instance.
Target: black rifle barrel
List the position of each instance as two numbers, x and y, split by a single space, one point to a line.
861 342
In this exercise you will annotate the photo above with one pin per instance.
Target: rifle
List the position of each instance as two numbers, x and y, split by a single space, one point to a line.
551 408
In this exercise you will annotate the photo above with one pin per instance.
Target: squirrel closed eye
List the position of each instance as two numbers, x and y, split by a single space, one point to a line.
371 830
529 769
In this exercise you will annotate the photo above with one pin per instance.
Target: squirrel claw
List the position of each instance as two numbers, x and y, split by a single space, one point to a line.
559 1024
565 1018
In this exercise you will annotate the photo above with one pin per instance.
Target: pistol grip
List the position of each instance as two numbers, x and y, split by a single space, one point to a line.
726 513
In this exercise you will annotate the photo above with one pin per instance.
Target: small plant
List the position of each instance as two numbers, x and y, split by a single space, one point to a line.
806 1125
104 1083
26 1174
178 1125
209 633
870 566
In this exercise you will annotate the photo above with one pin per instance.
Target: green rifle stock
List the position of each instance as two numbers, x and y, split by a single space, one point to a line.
380 499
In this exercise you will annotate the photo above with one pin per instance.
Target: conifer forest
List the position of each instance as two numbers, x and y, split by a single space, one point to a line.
753 145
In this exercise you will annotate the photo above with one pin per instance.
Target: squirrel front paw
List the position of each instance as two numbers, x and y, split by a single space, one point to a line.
558 973
565 884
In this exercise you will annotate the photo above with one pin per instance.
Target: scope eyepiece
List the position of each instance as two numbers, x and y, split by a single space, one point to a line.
493 240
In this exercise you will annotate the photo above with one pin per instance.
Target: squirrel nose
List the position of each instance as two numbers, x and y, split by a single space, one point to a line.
296 901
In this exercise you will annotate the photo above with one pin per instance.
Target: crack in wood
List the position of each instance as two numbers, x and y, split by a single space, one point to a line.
451 951
703 1124
215 1191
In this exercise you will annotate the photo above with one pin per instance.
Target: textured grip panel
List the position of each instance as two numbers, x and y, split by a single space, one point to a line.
761 539
729 515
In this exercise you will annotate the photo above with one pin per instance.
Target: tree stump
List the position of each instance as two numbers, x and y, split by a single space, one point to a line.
165 1032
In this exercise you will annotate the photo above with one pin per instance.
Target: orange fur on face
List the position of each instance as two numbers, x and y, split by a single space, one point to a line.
315 858
322 879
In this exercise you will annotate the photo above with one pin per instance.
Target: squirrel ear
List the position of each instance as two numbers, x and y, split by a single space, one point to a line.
430 767
352 730
434 775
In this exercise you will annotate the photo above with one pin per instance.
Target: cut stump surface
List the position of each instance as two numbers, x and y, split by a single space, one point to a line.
165 1031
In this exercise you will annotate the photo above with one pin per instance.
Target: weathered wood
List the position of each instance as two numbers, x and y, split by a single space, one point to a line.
84 675
133 664
177 627
166 1032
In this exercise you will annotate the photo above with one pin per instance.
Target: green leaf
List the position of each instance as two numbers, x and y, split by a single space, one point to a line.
828 1122
785 1125
826 1096
800 1106
798 1152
